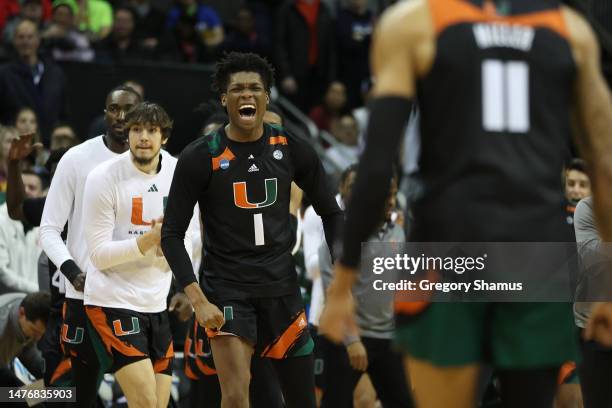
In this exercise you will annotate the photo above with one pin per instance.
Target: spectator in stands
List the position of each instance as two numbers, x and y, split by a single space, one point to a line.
94 17
346 133
244 36
19 250
334 104
304 51
31 10
63 137
150 22
62 39
203 19
23 321
354 28
28 81
122 45
7 135
26 122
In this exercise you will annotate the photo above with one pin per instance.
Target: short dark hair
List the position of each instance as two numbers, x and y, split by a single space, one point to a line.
152 114
37 306
41 173
576 164
241 62
123 88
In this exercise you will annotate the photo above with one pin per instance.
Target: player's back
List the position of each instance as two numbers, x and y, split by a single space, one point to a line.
495 122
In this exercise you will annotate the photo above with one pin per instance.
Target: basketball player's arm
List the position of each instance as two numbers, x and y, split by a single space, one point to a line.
392 65
310 177
99 204
191 176
594 113
15 191
60 199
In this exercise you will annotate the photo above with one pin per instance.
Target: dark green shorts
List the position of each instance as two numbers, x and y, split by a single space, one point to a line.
506 335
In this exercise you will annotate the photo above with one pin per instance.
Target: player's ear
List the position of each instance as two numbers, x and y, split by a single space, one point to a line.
224 100
267 98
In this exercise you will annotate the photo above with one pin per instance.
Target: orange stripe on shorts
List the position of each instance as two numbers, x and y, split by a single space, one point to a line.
278 348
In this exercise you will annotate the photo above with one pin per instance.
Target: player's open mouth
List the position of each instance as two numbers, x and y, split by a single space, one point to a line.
247 111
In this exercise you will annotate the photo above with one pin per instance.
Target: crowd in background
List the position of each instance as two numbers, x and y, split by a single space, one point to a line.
318 47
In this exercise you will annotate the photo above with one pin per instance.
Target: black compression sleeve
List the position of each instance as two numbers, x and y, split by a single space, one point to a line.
70 270
388 117
310 177
191 176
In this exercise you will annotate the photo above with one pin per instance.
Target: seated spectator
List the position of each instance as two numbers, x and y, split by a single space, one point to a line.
205 21
31 10
244 37
333 106
63 137
62 39
150 22
94 17
7 135
122 45
29 81
354 27
19 250
346 133
23 321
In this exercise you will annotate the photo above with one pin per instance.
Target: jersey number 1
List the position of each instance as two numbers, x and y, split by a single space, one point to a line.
241 200
505 96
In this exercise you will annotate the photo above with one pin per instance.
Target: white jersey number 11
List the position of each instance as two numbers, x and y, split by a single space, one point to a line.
505 96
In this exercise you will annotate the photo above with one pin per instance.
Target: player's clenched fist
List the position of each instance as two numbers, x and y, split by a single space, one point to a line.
209 315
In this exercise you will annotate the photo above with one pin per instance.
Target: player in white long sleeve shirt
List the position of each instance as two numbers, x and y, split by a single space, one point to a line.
124 205
64 204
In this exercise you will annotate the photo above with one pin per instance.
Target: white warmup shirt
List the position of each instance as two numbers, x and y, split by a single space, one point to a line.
120 202
65 204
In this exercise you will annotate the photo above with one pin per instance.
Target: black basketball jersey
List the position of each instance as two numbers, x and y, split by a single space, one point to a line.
495 122
243 190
